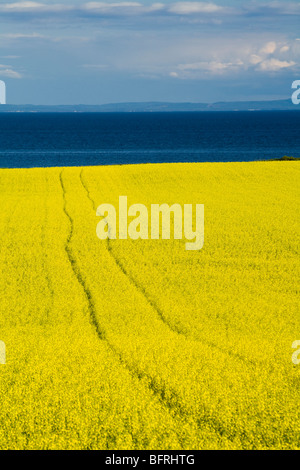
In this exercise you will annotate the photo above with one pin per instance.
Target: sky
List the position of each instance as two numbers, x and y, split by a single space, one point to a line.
81 52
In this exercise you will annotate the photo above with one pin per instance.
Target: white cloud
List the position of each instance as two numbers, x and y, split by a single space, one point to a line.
273 65
6 71
120 9
228 57
284 49
127 8
114 8
169 42
10 57
255 59
188 8
22 5
214 67
21 36
35 8
101 7
134 8
269 48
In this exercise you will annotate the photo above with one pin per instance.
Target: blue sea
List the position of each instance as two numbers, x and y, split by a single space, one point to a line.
79 139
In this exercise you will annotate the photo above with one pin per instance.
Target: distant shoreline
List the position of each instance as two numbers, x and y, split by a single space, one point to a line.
152 107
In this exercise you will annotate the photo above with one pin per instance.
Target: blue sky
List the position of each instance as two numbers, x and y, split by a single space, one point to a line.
74 51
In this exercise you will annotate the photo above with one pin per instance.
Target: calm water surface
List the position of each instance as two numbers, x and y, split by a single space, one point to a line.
74 139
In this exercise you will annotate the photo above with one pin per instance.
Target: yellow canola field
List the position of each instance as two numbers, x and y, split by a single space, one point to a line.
142 344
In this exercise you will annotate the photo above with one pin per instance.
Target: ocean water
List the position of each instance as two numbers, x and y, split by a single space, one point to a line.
75 139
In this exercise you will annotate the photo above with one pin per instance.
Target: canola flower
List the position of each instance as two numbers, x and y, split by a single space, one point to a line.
140 344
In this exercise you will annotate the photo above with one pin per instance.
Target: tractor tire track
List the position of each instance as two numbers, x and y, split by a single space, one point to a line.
166 395
75 267
131 279
167 398
160 392
152 303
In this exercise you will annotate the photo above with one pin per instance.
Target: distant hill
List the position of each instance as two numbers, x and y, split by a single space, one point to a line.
280 105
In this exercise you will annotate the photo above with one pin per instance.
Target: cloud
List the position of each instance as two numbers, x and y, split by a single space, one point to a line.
10 57
269 48
274 8
33 7
189 8
113 8
36 36
21 36
158 39
265 63
136 8
118 8
21 5
107 9
273 65
255 59
8 72
213 67
231 58
286 8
